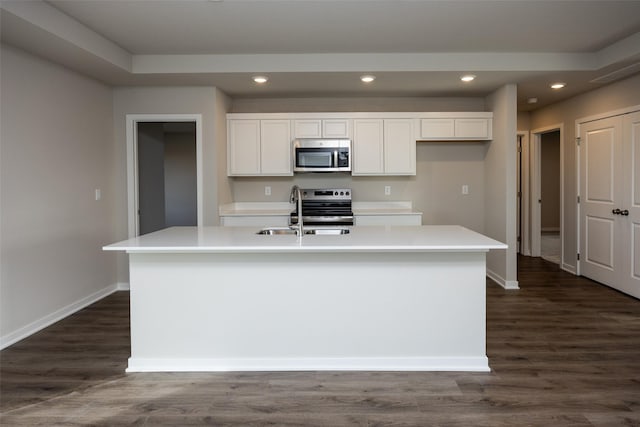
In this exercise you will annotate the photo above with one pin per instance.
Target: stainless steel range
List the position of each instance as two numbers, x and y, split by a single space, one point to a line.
330 206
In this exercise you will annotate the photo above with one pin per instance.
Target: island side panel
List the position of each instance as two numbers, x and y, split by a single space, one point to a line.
308 311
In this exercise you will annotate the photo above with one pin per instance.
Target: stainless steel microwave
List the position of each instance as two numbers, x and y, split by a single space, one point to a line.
321 155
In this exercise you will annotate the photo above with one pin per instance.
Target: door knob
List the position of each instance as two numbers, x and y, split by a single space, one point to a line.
616 211
624 212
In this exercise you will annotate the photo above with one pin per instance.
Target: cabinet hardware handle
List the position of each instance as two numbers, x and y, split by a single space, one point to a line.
625 212
616 211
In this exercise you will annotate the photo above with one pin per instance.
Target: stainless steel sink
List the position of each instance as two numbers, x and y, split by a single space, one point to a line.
278 231
327 231
274 231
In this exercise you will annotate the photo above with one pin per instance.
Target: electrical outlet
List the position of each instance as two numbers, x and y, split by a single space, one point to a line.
387 190
98 194
267 190
465 189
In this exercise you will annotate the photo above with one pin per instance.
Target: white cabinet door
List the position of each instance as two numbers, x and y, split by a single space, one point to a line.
472 128
275 147
368 147
336 128
437 128
243 147
390 220
307 128
258 221
322 128
399 147
451 129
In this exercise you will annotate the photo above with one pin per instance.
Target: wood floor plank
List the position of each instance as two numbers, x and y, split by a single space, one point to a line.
564 351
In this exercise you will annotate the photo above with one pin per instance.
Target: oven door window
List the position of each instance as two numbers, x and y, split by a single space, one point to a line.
313 158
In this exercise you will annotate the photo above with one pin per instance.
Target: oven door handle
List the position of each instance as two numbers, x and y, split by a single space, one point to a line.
335 159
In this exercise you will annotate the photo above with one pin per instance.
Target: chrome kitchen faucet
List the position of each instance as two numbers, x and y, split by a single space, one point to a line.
296 197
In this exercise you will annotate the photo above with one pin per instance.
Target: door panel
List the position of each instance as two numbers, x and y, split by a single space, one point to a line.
599 151
600 241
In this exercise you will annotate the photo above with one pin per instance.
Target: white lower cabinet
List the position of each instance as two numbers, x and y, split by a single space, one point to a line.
384 147
408 219
259 221
259 148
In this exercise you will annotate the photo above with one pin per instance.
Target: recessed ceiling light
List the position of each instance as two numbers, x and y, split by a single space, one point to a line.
558 85
468 78
367 78
260 79
532 100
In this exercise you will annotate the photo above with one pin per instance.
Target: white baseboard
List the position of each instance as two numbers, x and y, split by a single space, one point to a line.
123 286
507 284
459 364
43 322
569 268
550 229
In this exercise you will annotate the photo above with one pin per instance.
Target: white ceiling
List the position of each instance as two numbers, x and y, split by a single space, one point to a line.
320 48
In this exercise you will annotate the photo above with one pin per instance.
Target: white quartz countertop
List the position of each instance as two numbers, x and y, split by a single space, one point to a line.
427 238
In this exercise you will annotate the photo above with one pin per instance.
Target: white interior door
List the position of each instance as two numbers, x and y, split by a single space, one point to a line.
601 193
629 217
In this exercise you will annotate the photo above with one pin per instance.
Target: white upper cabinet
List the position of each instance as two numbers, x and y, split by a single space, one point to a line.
368 147
322 128
399 147
243 147
275 147
452 128
384 147
259 148
383 143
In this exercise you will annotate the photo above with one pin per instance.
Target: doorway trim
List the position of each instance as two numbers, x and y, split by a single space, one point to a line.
132 121
535 189
525 186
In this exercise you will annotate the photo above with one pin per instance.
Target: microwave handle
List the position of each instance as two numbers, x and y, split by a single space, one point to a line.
335 158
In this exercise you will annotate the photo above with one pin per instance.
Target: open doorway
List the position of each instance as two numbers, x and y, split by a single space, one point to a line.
164 172
547 194
167 179
550 195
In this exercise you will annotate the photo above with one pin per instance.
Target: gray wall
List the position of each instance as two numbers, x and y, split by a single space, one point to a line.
56 149
500 202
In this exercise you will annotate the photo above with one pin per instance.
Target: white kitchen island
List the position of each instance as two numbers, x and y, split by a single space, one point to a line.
380 298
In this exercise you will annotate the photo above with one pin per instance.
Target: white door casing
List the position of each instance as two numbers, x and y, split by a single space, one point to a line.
132 121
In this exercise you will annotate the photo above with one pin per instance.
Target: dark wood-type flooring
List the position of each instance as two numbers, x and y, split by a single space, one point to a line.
564 351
